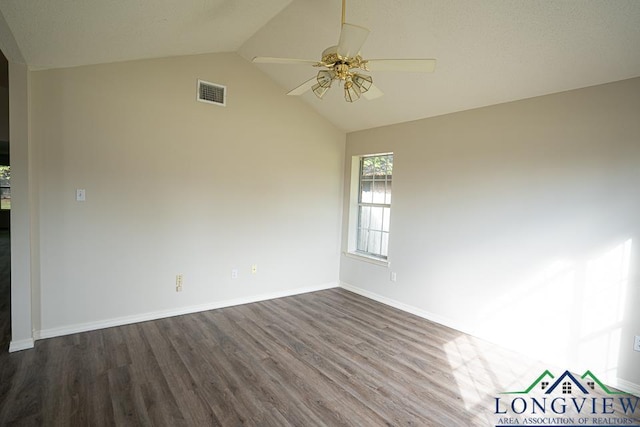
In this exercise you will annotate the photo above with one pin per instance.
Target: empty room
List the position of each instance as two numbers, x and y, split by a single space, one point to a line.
320 212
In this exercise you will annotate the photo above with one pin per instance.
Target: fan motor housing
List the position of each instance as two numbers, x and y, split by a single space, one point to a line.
341 65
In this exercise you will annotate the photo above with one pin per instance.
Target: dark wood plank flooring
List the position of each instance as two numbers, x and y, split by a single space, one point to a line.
324 358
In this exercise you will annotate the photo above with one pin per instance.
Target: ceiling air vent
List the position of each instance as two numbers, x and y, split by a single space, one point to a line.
212 93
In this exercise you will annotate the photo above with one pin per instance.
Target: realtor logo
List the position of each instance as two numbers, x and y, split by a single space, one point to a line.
568 384
569 400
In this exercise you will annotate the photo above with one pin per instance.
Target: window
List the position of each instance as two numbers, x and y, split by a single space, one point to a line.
5 188
374 205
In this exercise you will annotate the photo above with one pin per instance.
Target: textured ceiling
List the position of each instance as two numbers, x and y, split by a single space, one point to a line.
488 51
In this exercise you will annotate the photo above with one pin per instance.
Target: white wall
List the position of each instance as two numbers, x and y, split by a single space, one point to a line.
174 186
519 223
22 209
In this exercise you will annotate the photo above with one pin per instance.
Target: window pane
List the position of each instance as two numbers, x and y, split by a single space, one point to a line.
365 191
367 166
386 219
374 242
385 244
363 236
5 183
379 190
5 176
5 198
365 215
376 218
388 198
380 166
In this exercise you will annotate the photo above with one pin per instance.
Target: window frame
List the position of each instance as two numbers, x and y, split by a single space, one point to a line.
7 187
355 212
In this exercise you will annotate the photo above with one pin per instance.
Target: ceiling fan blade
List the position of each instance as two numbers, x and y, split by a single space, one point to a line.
372 93
304 87
352 37
292 61
411 65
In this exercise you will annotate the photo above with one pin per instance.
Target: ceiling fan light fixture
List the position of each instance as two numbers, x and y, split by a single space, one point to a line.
342 60
320 90
351 91
325 77
362 81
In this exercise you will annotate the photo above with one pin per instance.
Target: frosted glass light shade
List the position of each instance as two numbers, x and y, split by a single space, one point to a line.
363 82
319 90
351 91
325 77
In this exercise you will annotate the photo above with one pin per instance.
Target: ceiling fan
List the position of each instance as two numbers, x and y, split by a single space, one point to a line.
343 62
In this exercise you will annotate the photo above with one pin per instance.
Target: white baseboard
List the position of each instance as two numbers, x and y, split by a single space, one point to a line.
126 320
21 345
407 308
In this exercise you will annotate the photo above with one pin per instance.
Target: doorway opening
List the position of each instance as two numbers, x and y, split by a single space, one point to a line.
5 208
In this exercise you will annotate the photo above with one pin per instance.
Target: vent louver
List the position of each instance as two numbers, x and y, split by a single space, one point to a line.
212 93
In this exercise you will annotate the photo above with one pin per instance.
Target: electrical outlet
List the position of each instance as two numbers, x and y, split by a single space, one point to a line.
636 343
254 269
234 273
179 280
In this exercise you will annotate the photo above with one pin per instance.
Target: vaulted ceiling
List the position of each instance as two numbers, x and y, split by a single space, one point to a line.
488 51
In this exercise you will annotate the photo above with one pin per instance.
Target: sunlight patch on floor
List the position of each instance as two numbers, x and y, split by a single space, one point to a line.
481 370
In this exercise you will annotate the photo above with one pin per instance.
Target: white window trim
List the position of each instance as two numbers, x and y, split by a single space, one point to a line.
352 237
367 258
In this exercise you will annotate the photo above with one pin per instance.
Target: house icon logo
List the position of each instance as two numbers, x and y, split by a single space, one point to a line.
567 383
567 399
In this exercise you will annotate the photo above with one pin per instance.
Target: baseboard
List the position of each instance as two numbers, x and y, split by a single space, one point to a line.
407 308
127 320
627 387
21 345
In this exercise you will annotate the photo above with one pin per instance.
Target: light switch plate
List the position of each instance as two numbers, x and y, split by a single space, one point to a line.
80 195
636 343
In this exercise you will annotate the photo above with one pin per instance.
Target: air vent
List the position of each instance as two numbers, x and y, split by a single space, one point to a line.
212 93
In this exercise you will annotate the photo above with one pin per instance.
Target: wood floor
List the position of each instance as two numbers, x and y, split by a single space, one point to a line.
324 358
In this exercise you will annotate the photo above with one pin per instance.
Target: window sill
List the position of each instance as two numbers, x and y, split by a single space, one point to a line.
365 258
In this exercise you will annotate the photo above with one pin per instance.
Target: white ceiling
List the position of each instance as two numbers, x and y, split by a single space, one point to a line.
488 51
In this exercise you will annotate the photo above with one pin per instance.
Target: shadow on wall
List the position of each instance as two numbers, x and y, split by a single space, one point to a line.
570 313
